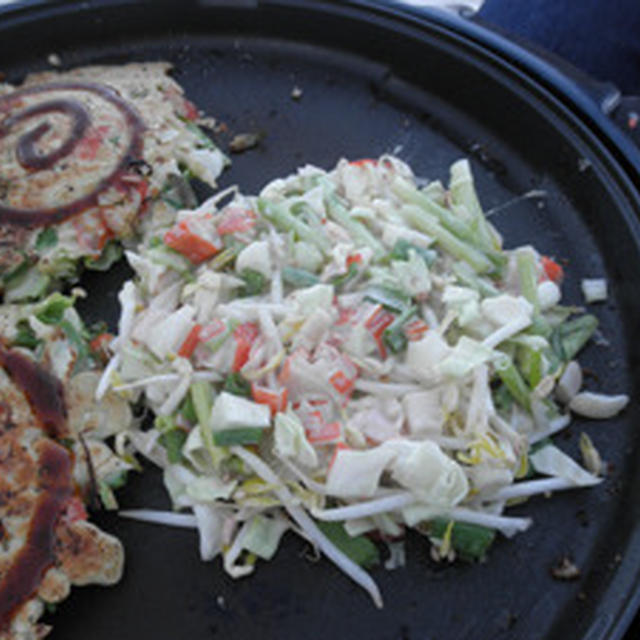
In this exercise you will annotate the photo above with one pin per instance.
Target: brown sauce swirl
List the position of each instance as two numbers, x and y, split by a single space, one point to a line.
29 158
26 152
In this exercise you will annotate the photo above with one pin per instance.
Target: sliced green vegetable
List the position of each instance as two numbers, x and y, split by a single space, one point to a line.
357 230
232 437
391 299
405 190
25 336
299 278
502 399
284 220
513 381
470 541
436 191
30 284
178 193
451 223
17 270
203 138
467 276
530 363
394 337
173 441
402 247
47 238
164 423
111 253
52 310
168 257
254 283
77 340
540 326
463 193
225 257
118 479
528 276
188 410
359 548
568 339
202 395
448 241
352 272
107 497
235 383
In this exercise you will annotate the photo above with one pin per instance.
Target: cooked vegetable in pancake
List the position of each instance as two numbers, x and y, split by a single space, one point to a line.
85 157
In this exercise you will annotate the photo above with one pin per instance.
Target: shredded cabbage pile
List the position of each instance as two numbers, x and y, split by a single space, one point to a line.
348 353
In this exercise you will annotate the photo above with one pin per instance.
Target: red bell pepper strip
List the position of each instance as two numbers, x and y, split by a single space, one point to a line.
341 383
236 220
244 335
190 342
355 258
415 330
363 162
100 342
189 110
376 323
552 269
320 432
275 400
194 247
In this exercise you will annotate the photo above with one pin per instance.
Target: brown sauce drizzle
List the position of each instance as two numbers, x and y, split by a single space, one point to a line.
29 158
44 393
37 554
26 151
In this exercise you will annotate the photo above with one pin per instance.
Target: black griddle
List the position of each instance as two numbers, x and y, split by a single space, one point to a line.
430 87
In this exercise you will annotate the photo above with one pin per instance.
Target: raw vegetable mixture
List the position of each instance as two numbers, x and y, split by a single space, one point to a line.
350 352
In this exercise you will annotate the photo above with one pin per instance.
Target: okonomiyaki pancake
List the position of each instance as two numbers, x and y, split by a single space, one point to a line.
85 157
53 460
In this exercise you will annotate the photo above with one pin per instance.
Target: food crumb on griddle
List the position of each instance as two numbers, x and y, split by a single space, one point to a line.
565 570
54 60
244 141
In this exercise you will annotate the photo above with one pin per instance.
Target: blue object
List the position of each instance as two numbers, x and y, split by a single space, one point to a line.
601 37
